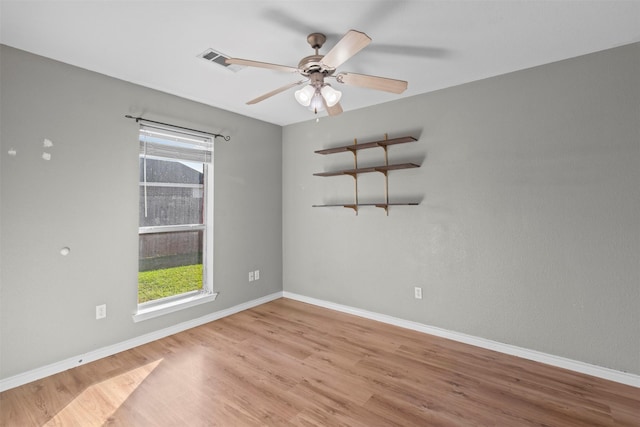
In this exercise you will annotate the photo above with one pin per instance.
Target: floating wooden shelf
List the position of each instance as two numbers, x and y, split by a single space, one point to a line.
355 207
374 144
384 169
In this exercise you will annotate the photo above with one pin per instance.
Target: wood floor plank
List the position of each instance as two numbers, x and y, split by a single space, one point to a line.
286 363
526 389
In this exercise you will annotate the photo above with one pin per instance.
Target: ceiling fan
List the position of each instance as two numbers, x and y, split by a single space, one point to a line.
318 95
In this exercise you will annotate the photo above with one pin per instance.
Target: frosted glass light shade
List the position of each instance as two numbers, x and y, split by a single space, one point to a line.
331 96
316 103
304 95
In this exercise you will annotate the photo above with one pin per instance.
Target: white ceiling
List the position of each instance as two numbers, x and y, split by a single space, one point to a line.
431 44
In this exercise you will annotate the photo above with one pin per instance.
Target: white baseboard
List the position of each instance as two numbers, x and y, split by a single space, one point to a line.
549 359
72 362
577 366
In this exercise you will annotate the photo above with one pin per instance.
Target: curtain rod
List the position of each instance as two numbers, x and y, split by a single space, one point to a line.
215 135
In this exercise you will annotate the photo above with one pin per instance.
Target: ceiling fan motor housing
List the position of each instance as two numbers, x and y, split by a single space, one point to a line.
311 65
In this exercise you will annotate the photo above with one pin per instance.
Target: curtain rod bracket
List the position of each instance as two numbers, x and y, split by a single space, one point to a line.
215 135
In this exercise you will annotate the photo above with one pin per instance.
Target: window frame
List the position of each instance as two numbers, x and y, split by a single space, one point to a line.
173 303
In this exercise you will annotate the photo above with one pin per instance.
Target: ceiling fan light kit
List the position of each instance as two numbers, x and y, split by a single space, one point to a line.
316 94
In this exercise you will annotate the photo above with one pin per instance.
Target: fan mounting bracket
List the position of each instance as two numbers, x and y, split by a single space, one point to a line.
316 40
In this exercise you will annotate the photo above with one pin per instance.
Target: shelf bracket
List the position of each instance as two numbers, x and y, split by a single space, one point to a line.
386 176
355 175
385 207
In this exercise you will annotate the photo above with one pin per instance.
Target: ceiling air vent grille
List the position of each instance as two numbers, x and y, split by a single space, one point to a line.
219 58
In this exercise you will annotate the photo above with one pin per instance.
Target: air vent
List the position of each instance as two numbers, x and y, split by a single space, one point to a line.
219 58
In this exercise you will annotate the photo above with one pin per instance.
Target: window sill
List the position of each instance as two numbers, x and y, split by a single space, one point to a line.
159 308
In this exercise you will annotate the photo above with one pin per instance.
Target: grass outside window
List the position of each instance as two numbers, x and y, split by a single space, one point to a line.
156 284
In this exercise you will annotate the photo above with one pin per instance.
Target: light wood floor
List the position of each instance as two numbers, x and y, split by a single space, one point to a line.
288 363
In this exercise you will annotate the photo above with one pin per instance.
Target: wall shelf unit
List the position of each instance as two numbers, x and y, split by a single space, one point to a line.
355 171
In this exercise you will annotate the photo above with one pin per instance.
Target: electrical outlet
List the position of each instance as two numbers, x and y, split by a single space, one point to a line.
251 276
101 311
417 293
256 274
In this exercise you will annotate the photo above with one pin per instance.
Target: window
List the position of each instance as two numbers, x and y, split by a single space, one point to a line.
175 234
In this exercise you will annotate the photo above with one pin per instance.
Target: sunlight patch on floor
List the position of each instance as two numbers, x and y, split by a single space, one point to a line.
97 403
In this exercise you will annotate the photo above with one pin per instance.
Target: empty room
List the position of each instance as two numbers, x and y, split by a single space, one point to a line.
296 213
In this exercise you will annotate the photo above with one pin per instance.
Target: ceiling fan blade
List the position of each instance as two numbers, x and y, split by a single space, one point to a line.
332 111
352 43
372 82
250 63
275 92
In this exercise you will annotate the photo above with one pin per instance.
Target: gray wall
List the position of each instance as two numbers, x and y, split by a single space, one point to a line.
528 231
47 310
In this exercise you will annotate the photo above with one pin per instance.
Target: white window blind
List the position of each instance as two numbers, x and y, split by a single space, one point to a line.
165 142
157 141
